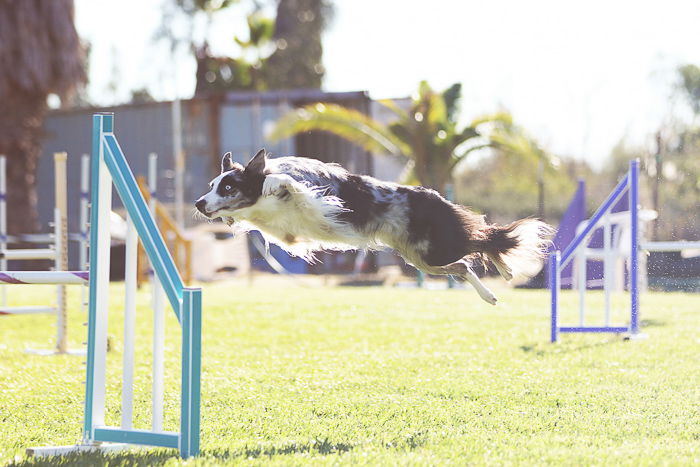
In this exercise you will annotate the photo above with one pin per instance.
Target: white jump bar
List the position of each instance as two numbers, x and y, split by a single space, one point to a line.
26 310
44 277
669 246
36 253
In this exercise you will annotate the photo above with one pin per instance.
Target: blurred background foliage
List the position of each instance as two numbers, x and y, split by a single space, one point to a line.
280 52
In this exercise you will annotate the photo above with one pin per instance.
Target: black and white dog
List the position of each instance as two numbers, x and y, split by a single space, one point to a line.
304 205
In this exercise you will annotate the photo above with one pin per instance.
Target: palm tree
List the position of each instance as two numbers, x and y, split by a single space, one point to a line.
428 133
40 54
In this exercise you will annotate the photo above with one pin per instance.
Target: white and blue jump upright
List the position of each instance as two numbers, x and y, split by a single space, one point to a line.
109 167
628 186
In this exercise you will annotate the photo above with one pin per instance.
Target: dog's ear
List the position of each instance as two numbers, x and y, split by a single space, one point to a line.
226 163
257 163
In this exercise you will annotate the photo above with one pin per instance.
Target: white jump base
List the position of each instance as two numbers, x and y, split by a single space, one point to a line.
47 451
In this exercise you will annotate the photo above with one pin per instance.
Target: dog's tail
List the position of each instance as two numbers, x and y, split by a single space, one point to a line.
517 249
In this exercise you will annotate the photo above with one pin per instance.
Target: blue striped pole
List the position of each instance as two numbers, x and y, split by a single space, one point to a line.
151 238
634 250
554 260
191 371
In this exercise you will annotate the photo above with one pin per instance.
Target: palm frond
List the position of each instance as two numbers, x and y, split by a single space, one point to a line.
437 113
391 105
504 118
514 141
348 124
461 155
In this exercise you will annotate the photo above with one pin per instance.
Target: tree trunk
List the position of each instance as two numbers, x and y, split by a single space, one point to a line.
21 123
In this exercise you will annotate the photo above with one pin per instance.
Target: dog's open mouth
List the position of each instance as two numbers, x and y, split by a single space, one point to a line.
209 214
228 220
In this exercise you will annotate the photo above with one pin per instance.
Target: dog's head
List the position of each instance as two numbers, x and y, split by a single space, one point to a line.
236 188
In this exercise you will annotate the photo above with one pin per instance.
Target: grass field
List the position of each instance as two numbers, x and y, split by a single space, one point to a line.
377 376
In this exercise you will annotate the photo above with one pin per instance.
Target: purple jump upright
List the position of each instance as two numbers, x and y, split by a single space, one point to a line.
558 261
574 215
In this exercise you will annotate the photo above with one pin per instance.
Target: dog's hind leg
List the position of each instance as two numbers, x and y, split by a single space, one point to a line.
501 267
461 268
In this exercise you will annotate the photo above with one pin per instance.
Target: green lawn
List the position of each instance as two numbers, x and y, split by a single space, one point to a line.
381 376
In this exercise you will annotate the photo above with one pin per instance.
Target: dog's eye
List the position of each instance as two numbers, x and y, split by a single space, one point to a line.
228 187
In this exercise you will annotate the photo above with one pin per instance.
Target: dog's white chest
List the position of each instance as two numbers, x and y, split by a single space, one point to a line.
280 218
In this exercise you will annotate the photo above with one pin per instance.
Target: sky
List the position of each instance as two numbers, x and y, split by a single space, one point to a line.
579 76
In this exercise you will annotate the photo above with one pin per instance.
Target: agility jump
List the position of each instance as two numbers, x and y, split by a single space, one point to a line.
630 226
109 166
57 251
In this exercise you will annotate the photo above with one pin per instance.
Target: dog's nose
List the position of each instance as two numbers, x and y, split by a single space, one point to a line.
200 205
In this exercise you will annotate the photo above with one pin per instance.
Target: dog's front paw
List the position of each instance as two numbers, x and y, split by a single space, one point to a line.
487 296
276 184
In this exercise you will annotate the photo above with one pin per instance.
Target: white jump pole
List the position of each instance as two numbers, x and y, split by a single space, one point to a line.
84 223
29 253
608 266
130 266
99 271
61 246
27 310
158 314
581 265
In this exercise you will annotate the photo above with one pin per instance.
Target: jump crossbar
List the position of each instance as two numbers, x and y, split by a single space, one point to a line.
28 253
44 277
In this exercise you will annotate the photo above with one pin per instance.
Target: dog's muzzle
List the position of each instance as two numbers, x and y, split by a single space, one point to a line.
201 205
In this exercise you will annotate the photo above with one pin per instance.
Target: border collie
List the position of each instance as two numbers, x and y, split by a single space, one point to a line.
305 205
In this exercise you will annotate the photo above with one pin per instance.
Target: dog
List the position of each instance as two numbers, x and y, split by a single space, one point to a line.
305 205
